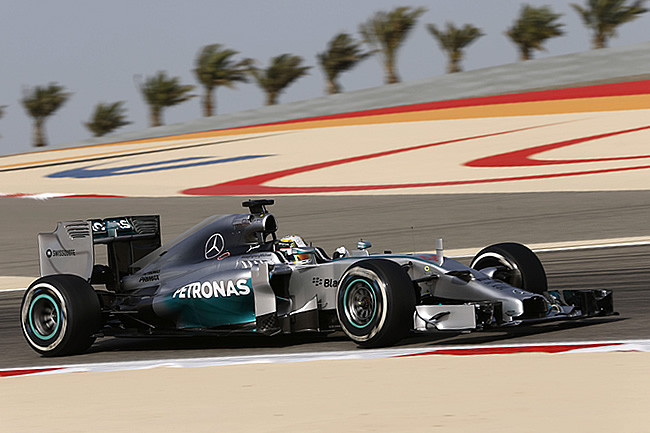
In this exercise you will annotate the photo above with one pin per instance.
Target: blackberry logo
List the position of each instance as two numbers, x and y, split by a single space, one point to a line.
325 282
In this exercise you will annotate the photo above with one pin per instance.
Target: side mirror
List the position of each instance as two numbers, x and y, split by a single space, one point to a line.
363 245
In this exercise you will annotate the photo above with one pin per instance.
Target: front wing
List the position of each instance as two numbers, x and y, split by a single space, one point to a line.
562 305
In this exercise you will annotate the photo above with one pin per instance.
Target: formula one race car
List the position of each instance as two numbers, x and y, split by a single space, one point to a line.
231 274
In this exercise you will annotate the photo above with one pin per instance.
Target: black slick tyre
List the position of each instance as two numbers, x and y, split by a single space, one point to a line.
514 264
375 303
59 315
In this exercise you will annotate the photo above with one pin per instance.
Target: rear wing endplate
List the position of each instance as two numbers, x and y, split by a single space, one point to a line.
70 248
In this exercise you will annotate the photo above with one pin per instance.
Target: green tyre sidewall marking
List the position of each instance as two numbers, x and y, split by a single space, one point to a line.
374 303
31 317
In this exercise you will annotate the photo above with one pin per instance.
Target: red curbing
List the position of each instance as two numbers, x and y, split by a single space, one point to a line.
9 373
558 348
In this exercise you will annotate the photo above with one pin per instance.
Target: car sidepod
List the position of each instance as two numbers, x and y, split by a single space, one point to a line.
207 299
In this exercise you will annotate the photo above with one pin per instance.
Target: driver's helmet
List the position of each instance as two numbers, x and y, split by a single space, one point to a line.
295 249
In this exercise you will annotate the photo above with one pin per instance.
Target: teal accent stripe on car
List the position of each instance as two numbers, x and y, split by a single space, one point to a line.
31 317
374 303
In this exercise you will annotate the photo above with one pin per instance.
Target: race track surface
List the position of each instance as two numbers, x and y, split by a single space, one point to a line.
401 223
622 269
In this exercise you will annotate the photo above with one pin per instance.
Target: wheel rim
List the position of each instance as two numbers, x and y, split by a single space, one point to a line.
506 270
360 303
44 316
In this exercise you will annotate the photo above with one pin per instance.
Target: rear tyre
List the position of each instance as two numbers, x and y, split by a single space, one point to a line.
514 264
59 315
375 303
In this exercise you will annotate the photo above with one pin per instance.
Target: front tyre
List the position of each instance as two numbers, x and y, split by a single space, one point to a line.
59 315
375 301
514 264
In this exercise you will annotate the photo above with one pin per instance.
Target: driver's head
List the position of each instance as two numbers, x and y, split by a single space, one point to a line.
291 246
293 241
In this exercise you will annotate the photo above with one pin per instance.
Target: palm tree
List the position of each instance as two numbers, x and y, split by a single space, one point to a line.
454 40
283 70
216 67
342 54
533 27
42 102
386 32
107 118
603 16
161 91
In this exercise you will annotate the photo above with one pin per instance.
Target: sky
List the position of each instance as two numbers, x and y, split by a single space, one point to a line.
100 50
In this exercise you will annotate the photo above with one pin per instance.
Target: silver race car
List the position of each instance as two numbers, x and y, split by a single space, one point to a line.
231 274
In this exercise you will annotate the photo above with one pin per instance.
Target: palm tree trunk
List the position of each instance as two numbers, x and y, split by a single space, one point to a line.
155 117
454 63
207 102
600 41
332 87
271 98
391 75
524 53
39 136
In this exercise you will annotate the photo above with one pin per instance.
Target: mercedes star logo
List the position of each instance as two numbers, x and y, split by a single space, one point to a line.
214 246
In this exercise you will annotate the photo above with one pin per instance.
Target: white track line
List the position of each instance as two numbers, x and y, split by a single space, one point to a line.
359 354
567 246
39 196
587 247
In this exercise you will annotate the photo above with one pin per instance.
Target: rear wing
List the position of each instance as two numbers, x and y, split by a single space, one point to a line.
125 228
70 248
